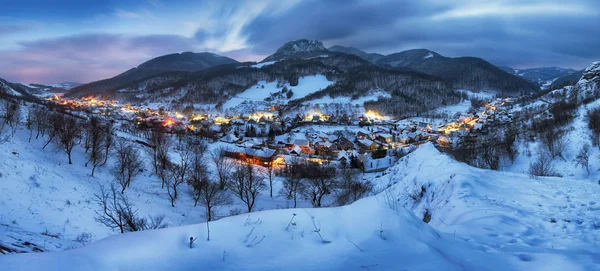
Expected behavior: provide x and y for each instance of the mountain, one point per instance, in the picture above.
(67, 85)
(567, 80)
(461, 72)
(298, 48)
(15, 89)
(180, 62)
(371, 57)
(542, 77)
(412, 80)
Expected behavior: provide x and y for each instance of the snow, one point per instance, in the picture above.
(577, 135)
(29, 86)
(351, 233)
(260, 65)
(371, 96)
(430, 55)
(40, 192)
(10, 91)
(260, 91)
(508, 213)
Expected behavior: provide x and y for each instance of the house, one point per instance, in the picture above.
(230, 138)
(262, 156)
(304, 145)
(324, 147)
(344, 144)
(296, 150)
(366, 144)
(423, 126)
(385, 137)
(362, 135)
(378, 165)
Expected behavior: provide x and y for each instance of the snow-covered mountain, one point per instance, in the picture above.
(543, 77)
(302, 47)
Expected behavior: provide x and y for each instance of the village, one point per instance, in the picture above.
(266, 137)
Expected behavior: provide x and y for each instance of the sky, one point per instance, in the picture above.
(56, 41)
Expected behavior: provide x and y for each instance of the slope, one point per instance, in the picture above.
(346, 238)
(462, 72)
(542, 222)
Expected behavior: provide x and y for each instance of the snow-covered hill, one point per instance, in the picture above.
(545, 222)
(346, 238)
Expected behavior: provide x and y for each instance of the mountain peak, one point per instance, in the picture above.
(297, 47)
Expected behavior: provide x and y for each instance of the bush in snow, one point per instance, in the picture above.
(593, 117)
(543, 165)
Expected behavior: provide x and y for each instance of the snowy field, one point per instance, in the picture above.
(366, 235)
(260, 91)
(372, 96)
(480, 220)
(41, 193)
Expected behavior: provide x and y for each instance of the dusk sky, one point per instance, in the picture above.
(81, 41)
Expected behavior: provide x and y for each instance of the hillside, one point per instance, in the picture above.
(161, 81)
(371, 57)
(542, 77)
(181, 62)
(535, 220)
(462, 72)
(263, 241)
(567, 80)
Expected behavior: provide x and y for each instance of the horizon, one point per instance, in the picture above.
(69, 41)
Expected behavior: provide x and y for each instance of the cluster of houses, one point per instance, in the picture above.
(268, 139)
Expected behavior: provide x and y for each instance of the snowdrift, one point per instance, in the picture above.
(538, 221)
(344, 238)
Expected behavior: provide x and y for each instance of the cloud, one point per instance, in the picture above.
(513, 33)
(127, 14)
(85, 58)
(9, 29)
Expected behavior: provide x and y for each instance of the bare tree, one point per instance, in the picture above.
(29, 124)
(351, 189)
(222, 165)
(2, 123)
(128, 164)
(293, 185)
(95, 139)
(117, 212)
(554, 142)
(198, 170)
(54, 124)
(111, 206)
(543, 165)
(321, 180)
(270, 173)
(160, 150)
(109, 140)
(40, 121)
(583, 157)
(67, 131)
(211, 196)
(246, 184)
(12, 115)
(175, 174)
(593, 117)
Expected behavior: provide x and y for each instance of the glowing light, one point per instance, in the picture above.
(168, 122)
(221, 120)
